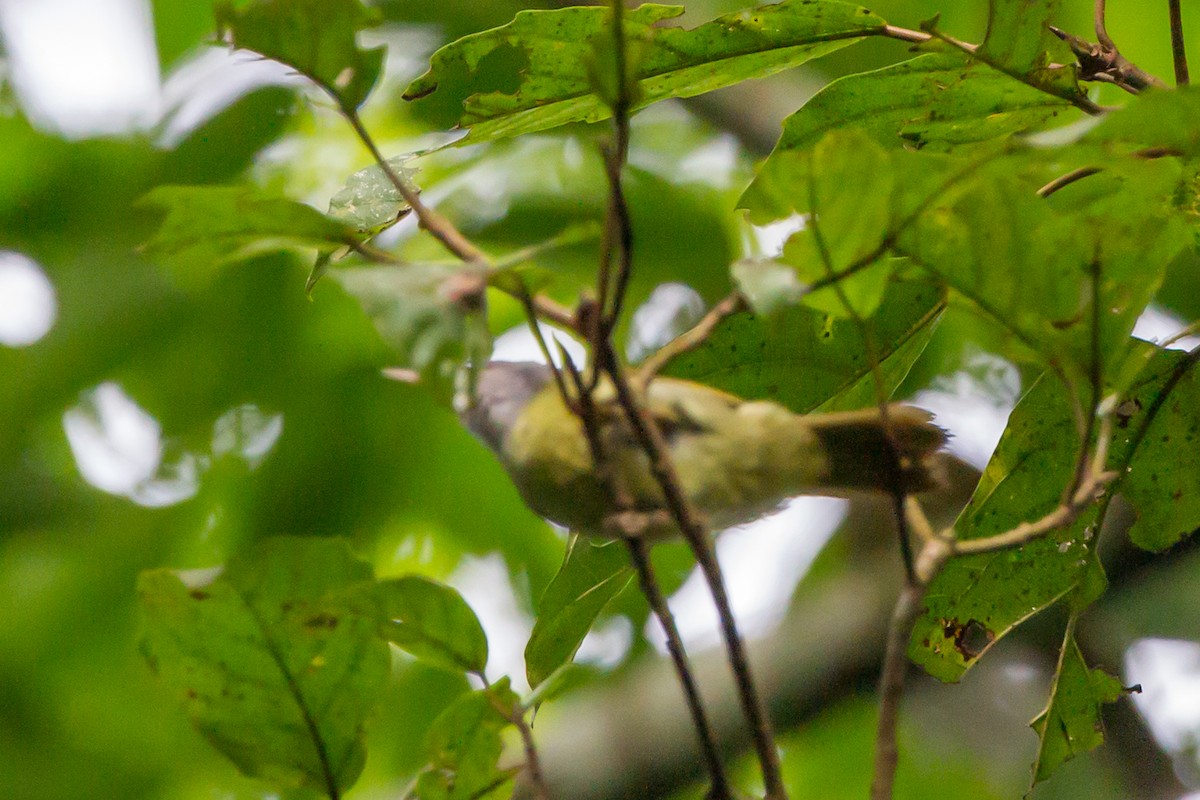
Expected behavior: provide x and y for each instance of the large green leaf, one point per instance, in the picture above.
(975, 600)
(434, 623)
(536, 72)
(317, 38)
(590, 576)
(277, 659)
(207, 226)
(935, 101)
(806, 361)
(1070, 725)
(845, 228)
(464, 744)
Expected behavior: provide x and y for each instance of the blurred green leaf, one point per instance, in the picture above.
(208, 226)
(421, 313)
(315, 37)
(805, 360)
(590, 576)
(464, 745)
(533, 73)
(845, 227)
(1018, 34)
(1167, 120)
(434, 623)
(1070, 725)
(277, 659)
(369, 201)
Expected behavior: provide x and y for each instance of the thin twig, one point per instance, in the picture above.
(1099, 17)
(1063, 181)
(639, 554)
(651, 441)
(688, 340)
(533, 763)
(1178, 50)
(1075, 98)
(621, 502)
(1103, 61)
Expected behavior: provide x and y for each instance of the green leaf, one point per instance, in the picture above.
(1167, 120)
(464, 745)
(807, 361)
(207, 226)
(590, 576)
(1018, 34)
(277, 659)
(975, 600)
(428, 313)
(533, 73)
(369, 201)
(1070, 725)
(936, 101)
(844, 227)
(434, 623)
(1162, 475)
(317, 38)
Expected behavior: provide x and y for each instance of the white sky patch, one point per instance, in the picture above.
(28, 306)
(118, 448)
(518, 344)
(606, 643)
(1158, 325)
(762, 563)
(484, 584)
(1169, 673)
(83, 67)
(210, 81)
(713, 163)
(974, 405)
(767, 241)
(671, 309)
(247, 432)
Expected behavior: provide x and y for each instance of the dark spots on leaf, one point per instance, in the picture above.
(321, 622)
(970, 638)
(1177, 495)
(773, 389)
(192, 694)
(198, 594)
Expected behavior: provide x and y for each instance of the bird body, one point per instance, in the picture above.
(735, 459)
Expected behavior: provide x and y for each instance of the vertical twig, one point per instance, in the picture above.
(1178, 50)
(621, 502)
(639, 554)
(612, 291)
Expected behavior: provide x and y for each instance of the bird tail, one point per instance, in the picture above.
(864, 453)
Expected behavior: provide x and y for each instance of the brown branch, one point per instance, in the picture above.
(1103, 61)
(1178, 50)
(1063, 181)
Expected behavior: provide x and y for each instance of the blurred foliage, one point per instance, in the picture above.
(386, 466)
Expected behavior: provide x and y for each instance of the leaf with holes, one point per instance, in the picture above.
(277, 659)
(536, 72)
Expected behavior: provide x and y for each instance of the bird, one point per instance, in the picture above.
(736, 460)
